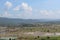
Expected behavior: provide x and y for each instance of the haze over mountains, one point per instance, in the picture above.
(15, 21)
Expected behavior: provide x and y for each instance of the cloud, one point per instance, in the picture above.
(25, 11)
(8, 4)
(42, 14)
(17, 8)
(50, 14)
(47, 12)
(23, 6)
(6, 14)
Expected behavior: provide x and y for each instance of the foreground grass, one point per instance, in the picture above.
(39, 38)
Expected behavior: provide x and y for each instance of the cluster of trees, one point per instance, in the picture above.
(25, 25)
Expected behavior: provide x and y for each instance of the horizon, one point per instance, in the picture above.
(27, 19)
(30, 9)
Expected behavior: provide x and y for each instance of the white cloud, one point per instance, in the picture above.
(44, 12)
(6, 14)
(24, 15)
(8, 4)
(17, 8)
(48, 14)
(26, 11)
(53, 14)
(23, 6)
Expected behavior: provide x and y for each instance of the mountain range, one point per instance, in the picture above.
(15, 21)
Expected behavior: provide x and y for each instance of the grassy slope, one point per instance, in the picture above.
(39, 38)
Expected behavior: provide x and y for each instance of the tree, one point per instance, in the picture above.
(9, 38)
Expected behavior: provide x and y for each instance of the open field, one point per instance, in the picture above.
(29, 33)
(39, 32)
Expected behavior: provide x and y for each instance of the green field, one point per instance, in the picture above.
(40, 38)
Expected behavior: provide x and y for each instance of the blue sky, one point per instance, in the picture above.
(30, 9)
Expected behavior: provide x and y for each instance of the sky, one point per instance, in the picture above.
(30, 9)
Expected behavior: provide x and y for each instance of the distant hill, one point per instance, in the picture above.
(15, 21)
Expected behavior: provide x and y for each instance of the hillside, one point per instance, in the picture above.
(25, 22)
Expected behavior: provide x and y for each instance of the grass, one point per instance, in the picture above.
(40, 38)
(41, 29)
(37, 38)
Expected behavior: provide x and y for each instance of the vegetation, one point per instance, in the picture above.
(21, 29)
(40, 38)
